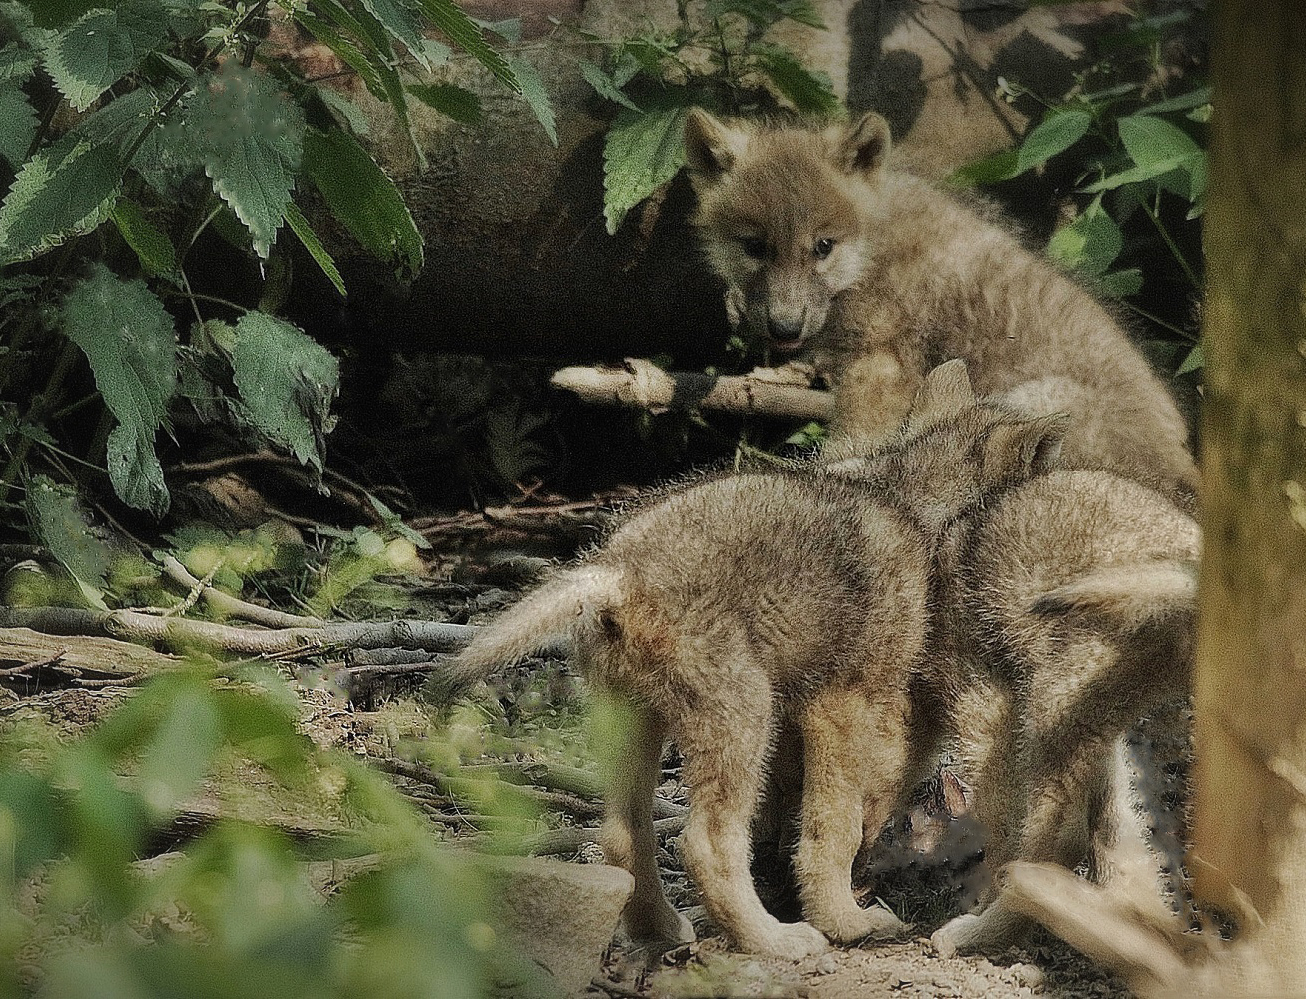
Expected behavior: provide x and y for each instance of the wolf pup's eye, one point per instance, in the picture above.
(754, 246)
(821, 248)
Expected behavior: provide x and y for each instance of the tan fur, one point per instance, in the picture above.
(739, 605)
(912, 277)
(1066, 614)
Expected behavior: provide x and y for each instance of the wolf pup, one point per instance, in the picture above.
(743, 603)
(1066, 614)
(881, 276)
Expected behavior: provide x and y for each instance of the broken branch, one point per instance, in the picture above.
(644, 385)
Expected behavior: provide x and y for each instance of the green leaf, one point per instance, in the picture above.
(59, 522)
(1192, 99)
(1195, 361)
(33, 822)
(152, 246)
(449, 99)
(1138, 174)
(1057, 132)
(467, 35)
(990, 170)
(603, 84)
(129, 339)
(95, 52)
(16, 63)
(18, 123)
(1089, 244)
(509, 29)
(642, 151)
(384, 64)
(765, 13)
(808, 92)
(344, 48)
(1120, 284)
(1153, 141)
(286, 383)
(532, 91)
(300, 227)
(250, 137)
(50, 201)
(363, 198)
(345, 110)
(57, 13)
(399, 21)
(181, 753)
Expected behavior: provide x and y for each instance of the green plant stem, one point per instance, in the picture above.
(1186, 334)
(1169, 241)
(36, 414)
(199, 296)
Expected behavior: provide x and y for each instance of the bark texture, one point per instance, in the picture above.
(1249, 855)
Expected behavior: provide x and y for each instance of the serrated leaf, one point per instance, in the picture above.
(640, 153)
(1195, 361)
(286, 383)
(808, 92)
(764, 13)
(250, 137)
(532, 91)
(58, 13)
(151, 244)
(385, 67)
(59, 522)
(1151, 141)
(50, 201)
(16, 63)
(399, 21)
(18, 123)
(1057, 132)
(344, 48)
(989, 170)
(130, 341)
(101, 47)
(1089, 244)
(1120, 284)
(509, 29)
(449, 99)
(345, 110)
(603, 84)
(300, 227)
(467, 35)
(363, 199)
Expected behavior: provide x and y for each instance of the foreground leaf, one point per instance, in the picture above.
(809, 92)
(59, 522)
(642, 151)
(286, 383)
(50, 201)
(458, 103)
(101, 47)
(468, 36)
(363, 198)
(1089, 244)
(1056, 133)
(130, 341)
(151, 244)
(17, 124)
(300, 227)
(532, 91)
(250, 138)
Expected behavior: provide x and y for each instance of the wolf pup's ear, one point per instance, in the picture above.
(1014, 452)
(711, 146)
(865, 145)
(945, 392)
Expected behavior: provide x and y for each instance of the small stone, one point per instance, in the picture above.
(827, 964)
(1029, 975)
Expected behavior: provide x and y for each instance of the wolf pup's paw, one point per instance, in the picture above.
(790, 941)
(661, 926)
(873, 923)
(736, 307)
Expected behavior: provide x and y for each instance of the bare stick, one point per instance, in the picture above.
(644, 385)
(225, 603)
(571, 839)
(182, 632)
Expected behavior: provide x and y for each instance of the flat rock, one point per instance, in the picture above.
(560, 915)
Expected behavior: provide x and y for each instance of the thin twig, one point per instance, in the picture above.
(232, 606)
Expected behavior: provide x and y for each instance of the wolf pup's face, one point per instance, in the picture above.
(786, 217)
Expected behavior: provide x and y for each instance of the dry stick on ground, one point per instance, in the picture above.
(181, 632)
(643, 384)
(571, 839)
(225, 603)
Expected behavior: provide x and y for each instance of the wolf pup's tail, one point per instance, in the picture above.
(569, 603)
(1127, 597)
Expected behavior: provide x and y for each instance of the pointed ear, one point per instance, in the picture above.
(945, 392)
(1014, 452)
(865, 144)
(711, 146)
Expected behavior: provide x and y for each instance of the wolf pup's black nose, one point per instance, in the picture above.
(785, 333)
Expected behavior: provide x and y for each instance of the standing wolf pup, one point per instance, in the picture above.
(823, 246)
(742, 603)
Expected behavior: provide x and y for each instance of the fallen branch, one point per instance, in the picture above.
(87, 660)
(571, 780)
(226, 604)
(183, 633)
(571, 839)
(642, 384)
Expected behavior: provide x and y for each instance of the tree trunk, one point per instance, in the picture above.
(1249, 853)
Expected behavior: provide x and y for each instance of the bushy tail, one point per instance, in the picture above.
(1127, 597)
(569, 602)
